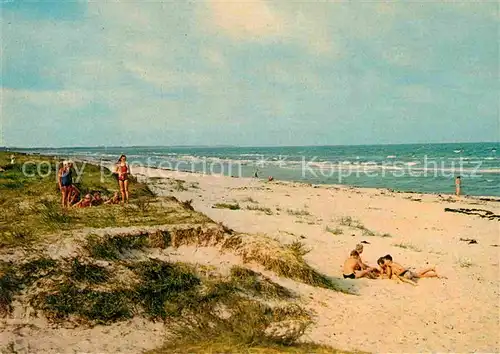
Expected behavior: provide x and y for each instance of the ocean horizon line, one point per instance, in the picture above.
(237, 146)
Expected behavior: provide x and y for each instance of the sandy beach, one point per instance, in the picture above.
(457, 314)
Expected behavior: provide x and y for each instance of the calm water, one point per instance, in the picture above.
(421, 168)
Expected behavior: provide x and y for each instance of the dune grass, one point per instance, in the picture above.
(250, 200)
(356, 224)
(229, 206)
(254, 283)
(10, 285)
(334, 231)
(298, 212)
(88, 272)
(223, 345)
(172, 292)
(407, 246)
(265, 210)
(111, 247)
(284, 261)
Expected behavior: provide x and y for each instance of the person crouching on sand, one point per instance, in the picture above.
(353, 267)
(123, 171)
(393, 269)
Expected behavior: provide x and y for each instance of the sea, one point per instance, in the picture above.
(424, 168)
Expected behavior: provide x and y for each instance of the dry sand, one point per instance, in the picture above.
(458, 314)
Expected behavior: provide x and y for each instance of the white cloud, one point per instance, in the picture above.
(66, 99)
(245, 19)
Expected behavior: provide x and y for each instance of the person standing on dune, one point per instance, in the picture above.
(123, 171)
(65, 181)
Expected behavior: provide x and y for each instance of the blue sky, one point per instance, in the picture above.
(248, 73)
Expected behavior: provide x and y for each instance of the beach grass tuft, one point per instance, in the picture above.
(298, 248)
(265, 210)
(188, 204)
(13, 278)
(283, 261)
(256, 284)
(356, 224)
(335, 231)
(346, 221)
(111, 247)
(91, 306)
(87, 272)
(10, 285)
(161, 283)
(298, 212)
(229, 206)
(249, 324)
(465, 262)
(407, 246)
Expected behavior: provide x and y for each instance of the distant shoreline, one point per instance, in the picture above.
(358, 177)
(15, 148)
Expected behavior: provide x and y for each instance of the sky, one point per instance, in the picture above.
(252, 73)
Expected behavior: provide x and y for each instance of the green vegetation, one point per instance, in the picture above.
(265, 210)
(10, 285)
(223, 345)
(227, 206)
(335, 231)
(256, 284)
(347, 221)
(31, 208)
(92, 306)
(178, 185)
(350, 222)
(298, 249)
(302, 212)
(111, 247)
(90, 273)
(284, 261)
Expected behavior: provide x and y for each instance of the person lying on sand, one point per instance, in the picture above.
(86, 202)
(115, 199)
(353, 268)
(403, 274)
(384, 273)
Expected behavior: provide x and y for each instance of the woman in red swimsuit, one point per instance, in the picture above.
(123, 171)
